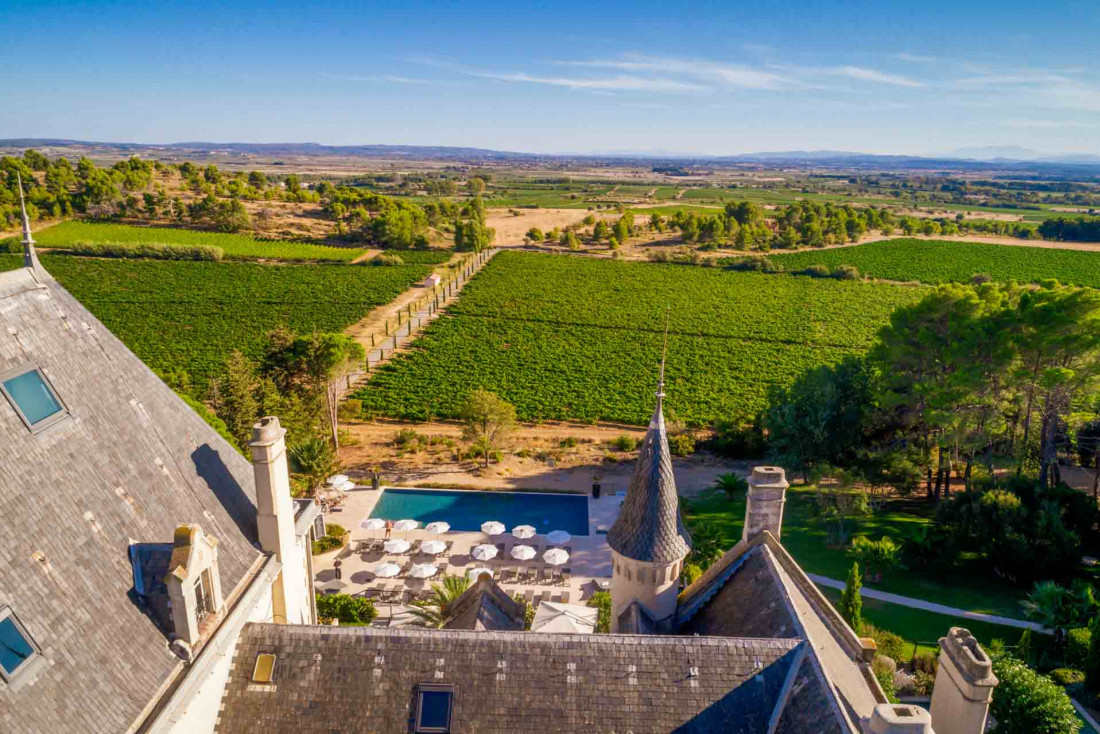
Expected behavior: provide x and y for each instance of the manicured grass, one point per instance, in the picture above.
(805, 536)
(942, 261)
(190, 316)
(235, 246)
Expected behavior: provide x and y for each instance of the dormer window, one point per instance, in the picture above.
(33, 398)
(17, 649)
(434, 703)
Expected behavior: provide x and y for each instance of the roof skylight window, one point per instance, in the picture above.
(17, 649)
(264, 672)
(433, 709)
(33, 398)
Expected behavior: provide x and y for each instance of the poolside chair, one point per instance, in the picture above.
(565, 576)
(555, 576)
(545, 596)
(565, 597)
(529, 596)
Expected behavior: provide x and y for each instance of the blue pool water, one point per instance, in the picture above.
(467, 510)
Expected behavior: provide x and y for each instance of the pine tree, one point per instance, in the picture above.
(851, 604)
(1023, 648)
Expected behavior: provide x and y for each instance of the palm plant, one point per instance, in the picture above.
(434, 612)
(732, 485)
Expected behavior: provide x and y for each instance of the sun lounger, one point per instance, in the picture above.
(529, 596)
(544, 597)
(565, 597)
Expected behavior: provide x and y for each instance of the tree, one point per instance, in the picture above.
(234, 397)
(1026, 702)
(1092, 661)
(1057, 607)
(878, 556)
(1088, 447)
(600, 232)
(472, 234)
(315, 458)
(352, 611)
(293, 184)
(601, 600)
(487, 420)
(534, 235)
(476, 186)
(323, 358)
(851, 603)
(621, 230)
(434, 612)
(257, 180)
(732, 484)
(231, 216)
(569, 239)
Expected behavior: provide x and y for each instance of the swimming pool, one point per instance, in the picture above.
(466, 510)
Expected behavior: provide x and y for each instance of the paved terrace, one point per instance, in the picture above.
(589, 559)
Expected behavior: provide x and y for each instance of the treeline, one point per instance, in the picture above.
(1071, 230)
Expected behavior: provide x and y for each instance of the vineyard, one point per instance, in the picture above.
(190, 315)
(938, 261)
(566, 338)
(235, 246)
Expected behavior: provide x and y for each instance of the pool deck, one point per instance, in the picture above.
(589, 560)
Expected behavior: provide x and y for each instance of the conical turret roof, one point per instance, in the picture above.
(650, 527)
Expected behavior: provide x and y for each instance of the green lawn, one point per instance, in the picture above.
(804, 536)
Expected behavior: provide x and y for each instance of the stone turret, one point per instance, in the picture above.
(764, 508)
(275, 510)
(964, 685)
(649, 540)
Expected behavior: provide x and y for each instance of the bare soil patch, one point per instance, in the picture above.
(511, 228)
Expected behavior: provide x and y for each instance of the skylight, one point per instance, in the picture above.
(264, 672)
(16, 647)
(33, 398)
(433, 709)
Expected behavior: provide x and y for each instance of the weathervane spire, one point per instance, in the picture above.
(664, 353)
(30, 257)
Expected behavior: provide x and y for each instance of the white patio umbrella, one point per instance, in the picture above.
(523, 532)
(473, 573)
(373, 523)
(433, 547)
(523, 553)
(336, 479)
(437, 527)
(396, 545)
(492, 527)
(555, 557)
(346, 486)
(406, 525)
(559, 537)
(387, 570)
(423, 571)
(484, 552)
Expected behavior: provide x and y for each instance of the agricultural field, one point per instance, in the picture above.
(556, 196)
(940, 261)
(191, 315)
(235, 246)
(578, 339)
(424, 257)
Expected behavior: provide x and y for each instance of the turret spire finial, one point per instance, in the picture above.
(664, 353)
(30, 257)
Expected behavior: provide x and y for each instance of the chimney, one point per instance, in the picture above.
(893, 718)
(964, 685)
(275, 522)
(764, 509)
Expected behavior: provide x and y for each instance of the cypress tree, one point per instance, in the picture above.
(851, 604)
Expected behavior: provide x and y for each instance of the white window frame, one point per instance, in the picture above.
(48, 420)
(6, 612)
(423, 688)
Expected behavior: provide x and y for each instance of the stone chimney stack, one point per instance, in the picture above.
(275, 521)
(764, 509)
(893, 718)
(964, 685)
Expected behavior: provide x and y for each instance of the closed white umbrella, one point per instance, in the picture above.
(406, 525)
(523, 553)
(373, 523)
(559, 537)
(523, 532)
(437, 527)
(492, 527)
(387, 570)
(423, 571)
(484, 552)
(433, 547)
(473, 573)
(555, 557)
(336, 479)
(346, 486)
(396, 545)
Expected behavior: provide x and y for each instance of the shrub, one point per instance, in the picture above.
(980, 278)
(734, 440)
(886, 680)
(601, 600)
(690, 573)
(1067, 676)
(925, 662)
(624, 443)
(1028, 703)
(407, 438)
(876, 556)
(149, 250)
(681, 444)
(1077, 647)
(816, 271)
(331, 540)
(353, 611)
(889, 644)
(387, 259)
(846, 272)
(923, 683)
(755, 264)
(568, 442)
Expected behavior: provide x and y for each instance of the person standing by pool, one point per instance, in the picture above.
(336, 566)
(389, 528)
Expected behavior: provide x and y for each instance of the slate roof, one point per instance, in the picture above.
(485, 606)
(129, 464)
(649, 526)
(361, 679)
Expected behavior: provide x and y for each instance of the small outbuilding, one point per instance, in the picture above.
(432, 280)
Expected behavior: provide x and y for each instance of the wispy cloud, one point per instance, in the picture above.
(727, 74)
(618, 83)
(1029, 124)
(873, 75)
(377, 78)
(913, 58)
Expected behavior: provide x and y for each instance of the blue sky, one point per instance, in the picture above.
(719, 78)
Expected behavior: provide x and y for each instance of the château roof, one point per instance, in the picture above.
(128, 463)
(485, 606)
(650, 527)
